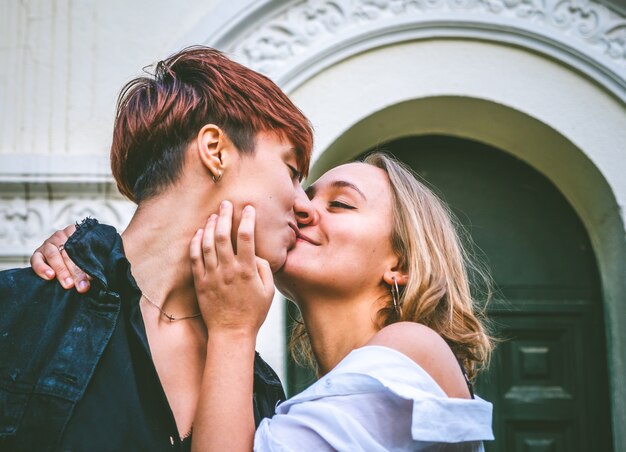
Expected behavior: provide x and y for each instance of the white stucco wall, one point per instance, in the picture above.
(64, 62)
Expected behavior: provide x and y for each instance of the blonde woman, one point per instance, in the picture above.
(380, 277)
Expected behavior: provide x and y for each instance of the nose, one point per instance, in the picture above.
(306, 214)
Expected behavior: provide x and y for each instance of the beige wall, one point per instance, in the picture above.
(64, 61)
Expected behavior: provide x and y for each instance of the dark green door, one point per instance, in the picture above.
(547, 380)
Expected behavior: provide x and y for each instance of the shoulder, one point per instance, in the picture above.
(31, 310)
(26, 297)
(429, 350)
(32, 306)
(415, 340)
(20, 282)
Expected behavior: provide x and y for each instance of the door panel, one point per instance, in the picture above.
(548, 379)
(537, 379)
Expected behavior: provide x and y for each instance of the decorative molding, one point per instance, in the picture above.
(301, 26)
(31, 212)
(40, 194)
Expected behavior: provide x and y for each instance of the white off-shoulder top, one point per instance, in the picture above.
(376, 399)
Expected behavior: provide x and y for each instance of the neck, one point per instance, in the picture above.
(336, 326)
(156, 243)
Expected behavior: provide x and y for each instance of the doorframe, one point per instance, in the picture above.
(542, 147)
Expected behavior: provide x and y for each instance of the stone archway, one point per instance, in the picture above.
(540, 146)
(565, 145)
(549, 75)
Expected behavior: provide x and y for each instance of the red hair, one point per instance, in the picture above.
(158, 116)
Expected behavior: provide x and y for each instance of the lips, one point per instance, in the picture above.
(295, 230)
(301, 236)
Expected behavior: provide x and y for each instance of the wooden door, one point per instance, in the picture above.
(548, 379)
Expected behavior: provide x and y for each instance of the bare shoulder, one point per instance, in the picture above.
(417, 341)
(429, 350)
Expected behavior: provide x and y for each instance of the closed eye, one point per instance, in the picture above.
(295, 174)
(341, 205)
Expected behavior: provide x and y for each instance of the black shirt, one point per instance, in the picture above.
(124, 406)
(103, 392)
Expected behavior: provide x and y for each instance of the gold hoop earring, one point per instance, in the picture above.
(395, 296)
(219, 176)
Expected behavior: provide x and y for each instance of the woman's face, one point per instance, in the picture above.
(345, 246)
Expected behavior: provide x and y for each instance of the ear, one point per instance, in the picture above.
(401, 277)
(211, 143)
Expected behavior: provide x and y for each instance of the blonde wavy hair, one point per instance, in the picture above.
(438, 292)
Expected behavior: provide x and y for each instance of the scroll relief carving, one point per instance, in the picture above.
(25, 223)
(20, 223)
(310, 23)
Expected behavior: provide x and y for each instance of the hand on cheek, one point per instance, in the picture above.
(234, 290)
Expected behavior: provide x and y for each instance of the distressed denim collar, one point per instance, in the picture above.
(98, 250)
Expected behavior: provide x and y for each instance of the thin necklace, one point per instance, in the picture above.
(170, 317)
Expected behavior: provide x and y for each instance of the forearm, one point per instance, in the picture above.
(224, 417)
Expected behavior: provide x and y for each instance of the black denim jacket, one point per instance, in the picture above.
(52, 339)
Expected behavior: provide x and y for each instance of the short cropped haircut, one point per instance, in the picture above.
(159, 115)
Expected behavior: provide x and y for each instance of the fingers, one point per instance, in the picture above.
(52, 255)
(50, 260)
(80, 278)
(45, 259)
(234, 291)
(245, 237)
(223, 229)
(69, 230)
(202, 249)
(212, 247)
(195, 253)
(209, 253)
(266, 275)
(38, 263)
(82, 281)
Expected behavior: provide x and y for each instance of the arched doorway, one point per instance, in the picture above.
(548, 378)
(543, 83)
